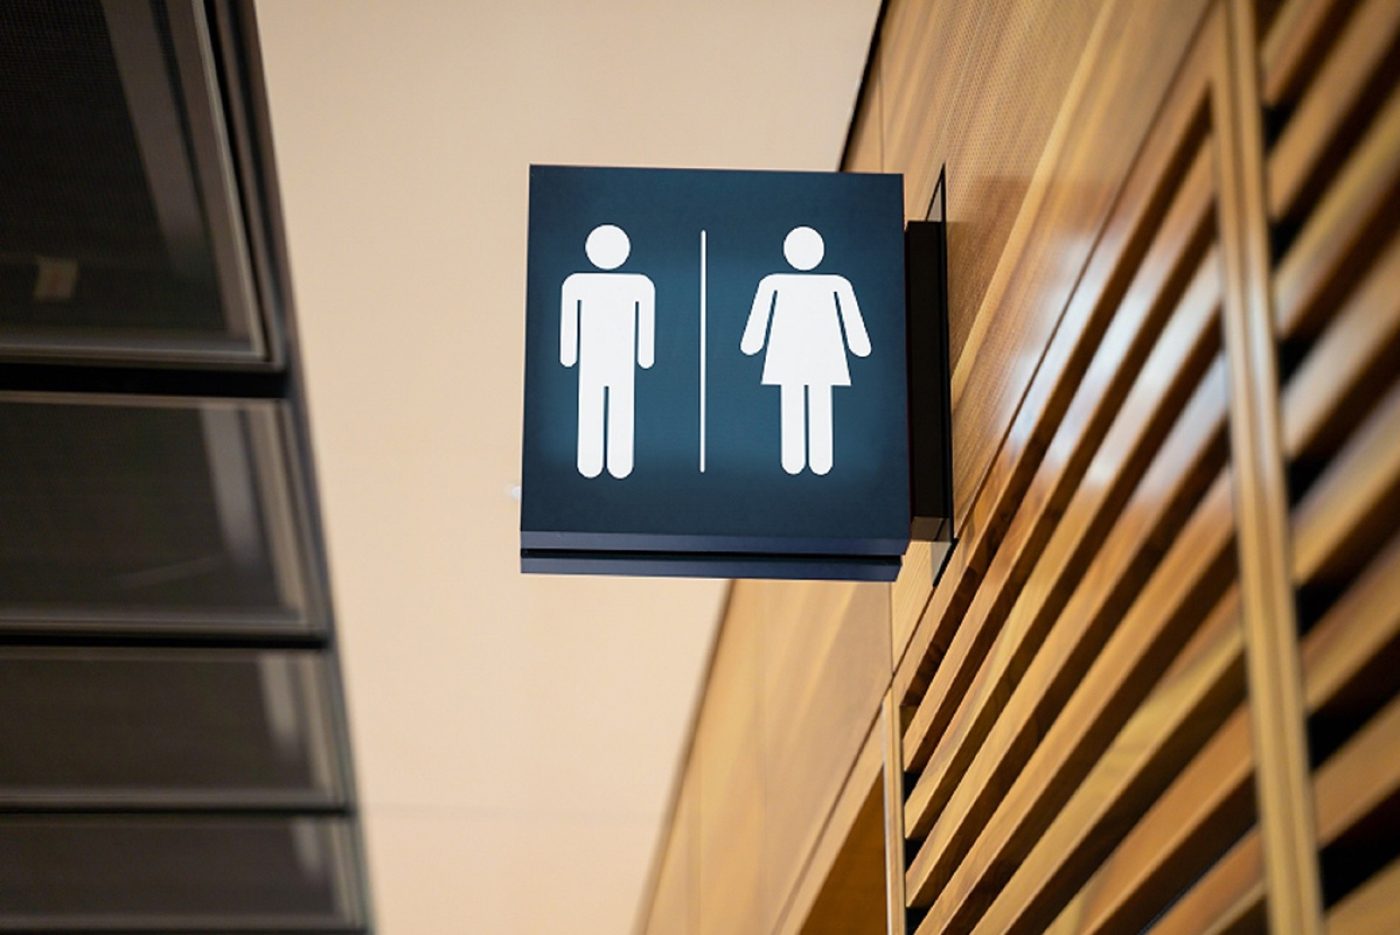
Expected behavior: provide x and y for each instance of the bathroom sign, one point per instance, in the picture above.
(715, 374)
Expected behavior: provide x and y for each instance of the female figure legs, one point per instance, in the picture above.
(794, 427)
(819, 427)
(806, 420)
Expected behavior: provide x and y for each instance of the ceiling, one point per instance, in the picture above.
(515, 737)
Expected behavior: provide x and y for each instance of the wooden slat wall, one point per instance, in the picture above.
(1175, 302)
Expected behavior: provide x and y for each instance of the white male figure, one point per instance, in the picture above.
(608, 329)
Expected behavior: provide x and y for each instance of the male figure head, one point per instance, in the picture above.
(607, 246)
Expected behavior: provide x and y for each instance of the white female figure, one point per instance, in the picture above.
(814, 318)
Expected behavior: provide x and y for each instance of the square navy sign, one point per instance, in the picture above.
(715, 374)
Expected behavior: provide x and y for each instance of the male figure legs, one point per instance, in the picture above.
(620, 426)
(616, 400)
(591, 401)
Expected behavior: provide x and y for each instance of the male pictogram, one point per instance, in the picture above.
(806, 347)
(608, 328)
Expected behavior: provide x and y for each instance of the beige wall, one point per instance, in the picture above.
(515, 738)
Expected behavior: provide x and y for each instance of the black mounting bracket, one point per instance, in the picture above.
(930, 393)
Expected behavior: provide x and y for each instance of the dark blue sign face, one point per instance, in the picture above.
(715, 374)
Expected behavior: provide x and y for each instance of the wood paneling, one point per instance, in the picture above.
(843, 887)
(1175, 300)
(729, 793)
(792, 698)
(1334, 168)
(675, 900)
(975, 87)
(909, 596)
(851, 900)
(1117, 497)
(825, 667)
(892, 726)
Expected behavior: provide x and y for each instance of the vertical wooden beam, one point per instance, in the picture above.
(895, 906)
(1277, 711)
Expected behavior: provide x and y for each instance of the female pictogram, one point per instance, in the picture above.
(806, 347)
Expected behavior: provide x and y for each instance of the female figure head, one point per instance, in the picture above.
(803, 248)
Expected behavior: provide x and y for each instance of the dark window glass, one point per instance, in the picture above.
(148, 515)
(166, 727)
(161, 874)
(120, 227)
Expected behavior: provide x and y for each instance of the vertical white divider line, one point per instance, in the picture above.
(702, 351)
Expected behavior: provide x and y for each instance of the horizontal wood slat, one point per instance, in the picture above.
(1350, 497)
(1206, 806)
(1359, 194)
(1351, 785)
(1352, 357)
(1203, 809)
(1146, 193)
(1203, 685)
(1151, 409)
(1176, 591)
(1372, 909)
(1120, 353)
(1120, 677)
(1125, 344)
(1330, 98)
(1355, 629)
(1129, 552)
(1103, 128)
(1290, 46)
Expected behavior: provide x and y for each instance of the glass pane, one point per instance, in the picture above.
(166, 727)
(153, 874)
(119, 231)
(157, 514)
